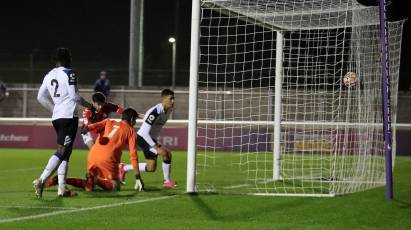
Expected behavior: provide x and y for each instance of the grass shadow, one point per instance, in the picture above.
(42, 207)
(203, 207)
(110, 194)
(402, 204)
(243, 210)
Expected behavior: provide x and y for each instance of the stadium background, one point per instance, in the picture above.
(97, 32)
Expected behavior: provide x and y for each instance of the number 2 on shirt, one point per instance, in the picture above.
(55, 82)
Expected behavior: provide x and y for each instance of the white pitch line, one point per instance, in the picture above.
(82, 209)
(236, 186)
(35, 207)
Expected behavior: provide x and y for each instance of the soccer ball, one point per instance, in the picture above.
(350, 79)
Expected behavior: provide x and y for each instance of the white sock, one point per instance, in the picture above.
(142, 167)
(128, 167)
(61, 174)
(166, 171)
(51, 166)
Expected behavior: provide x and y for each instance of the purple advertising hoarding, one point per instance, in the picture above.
(33, 136)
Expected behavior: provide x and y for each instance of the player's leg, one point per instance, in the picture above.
(76, 182)
(52, 164)
(149, 166)
(151, 162)
(54, 161)
(166, 156)
(122, 173)
(70, 131)
(88, 140)
(108, 176)
(91, 175)
(52, 181)
(108, 184)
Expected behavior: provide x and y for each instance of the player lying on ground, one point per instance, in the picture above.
(102, 111)
(61, 85)
(104, 157)
(154, 120)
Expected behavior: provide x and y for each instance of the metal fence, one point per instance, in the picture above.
(22, 101)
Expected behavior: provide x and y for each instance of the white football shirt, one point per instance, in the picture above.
(61, 85)
(154, 120)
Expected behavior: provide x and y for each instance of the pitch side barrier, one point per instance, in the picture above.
(36, 133)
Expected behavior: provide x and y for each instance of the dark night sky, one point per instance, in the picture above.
(97, 32)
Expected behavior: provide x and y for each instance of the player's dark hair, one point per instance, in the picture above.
(98, 97)
(167, 92)
(63, 56)
(129, 115)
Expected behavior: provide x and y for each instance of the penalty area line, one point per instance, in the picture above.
(55, 213)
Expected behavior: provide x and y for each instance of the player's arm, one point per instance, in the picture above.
(134, 160)
(73, 91)
(44, 99)
(145, 128)
(86, 116)
(95, 126)
(140, 115)
(133, 153)
(113, 108)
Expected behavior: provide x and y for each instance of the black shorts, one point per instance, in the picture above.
(147, 149)
(66, 130)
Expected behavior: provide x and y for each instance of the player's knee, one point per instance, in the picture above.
(60, 148)
(67, 152)
(108, 185)
(151, 167)
(167, 156)
(63, 153)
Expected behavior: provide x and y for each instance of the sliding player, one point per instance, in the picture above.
(102, 111)
(105, 155)
(154, 120)
(61, 85)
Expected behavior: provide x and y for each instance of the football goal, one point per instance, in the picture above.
(287, 97)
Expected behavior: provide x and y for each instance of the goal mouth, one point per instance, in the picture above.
(277, 111)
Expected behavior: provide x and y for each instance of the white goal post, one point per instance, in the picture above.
(281, 66)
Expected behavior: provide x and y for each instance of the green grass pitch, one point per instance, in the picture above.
(159, 208)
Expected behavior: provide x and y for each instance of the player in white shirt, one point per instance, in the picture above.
(59, 94)
(154, 120)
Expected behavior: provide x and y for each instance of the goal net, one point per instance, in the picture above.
(275, 115)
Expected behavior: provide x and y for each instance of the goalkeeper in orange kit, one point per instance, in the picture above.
(105, 155)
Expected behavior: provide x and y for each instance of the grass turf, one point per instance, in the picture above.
(159, 208)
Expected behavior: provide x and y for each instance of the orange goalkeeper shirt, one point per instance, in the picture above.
(108, 146)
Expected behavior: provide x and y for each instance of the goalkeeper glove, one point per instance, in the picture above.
(139, 186)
